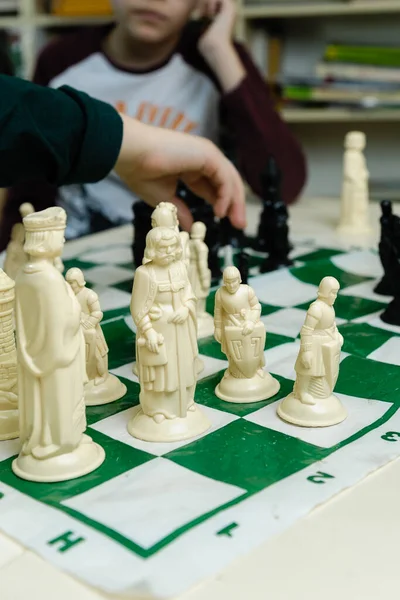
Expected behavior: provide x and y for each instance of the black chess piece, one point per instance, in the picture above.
(388, 249)
(392, 312)
(202, 211)
(243, 265)
(142, 225)
(273, 231)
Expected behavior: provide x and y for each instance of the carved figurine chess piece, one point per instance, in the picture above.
(15, 254)
(242, 335)
(354, 219)
(9, 426)
(51, 362)
(164, 309)
(103, 387)
(312, 402)
(200, 278)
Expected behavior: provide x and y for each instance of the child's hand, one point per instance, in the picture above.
(222, 14)
(152, 160)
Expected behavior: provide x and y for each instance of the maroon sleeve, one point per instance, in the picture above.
(260, 131)
(54, 59)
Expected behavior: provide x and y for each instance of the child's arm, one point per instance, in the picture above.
(64, 136)
(248, 106)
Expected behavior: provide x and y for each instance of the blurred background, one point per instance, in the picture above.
(333, 65)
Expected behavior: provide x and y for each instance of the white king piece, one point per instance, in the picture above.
(51, 361)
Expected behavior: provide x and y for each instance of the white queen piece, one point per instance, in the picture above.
(51, 361)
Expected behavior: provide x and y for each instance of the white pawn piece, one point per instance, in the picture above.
(164, 309)
(242, 337)
(15, 254)
(51, 362)
(312, 402)
(354, 219)
(9, 427)
(103, 387)
(200, 278)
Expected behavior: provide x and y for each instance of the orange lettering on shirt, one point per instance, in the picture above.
(121, 107)
(141, 111)
(190, 126)
(153, 113)
(164, 117)
(177, 121)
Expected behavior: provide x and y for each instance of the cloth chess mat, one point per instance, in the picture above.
(156, 518)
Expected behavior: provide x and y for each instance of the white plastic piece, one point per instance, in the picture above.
(312, 402)
(164, 309)
(9, 426)
(102, 387)
(242, 335)
(15, 254)
(51, 362)
(200, 278)
(354, 218)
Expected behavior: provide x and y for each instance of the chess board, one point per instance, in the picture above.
(155, 519)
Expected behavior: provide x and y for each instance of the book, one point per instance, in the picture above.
(355, 72)
(342, 94)
(368, 55)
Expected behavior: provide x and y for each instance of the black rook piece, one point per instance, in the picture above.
(273, 230)
(388, 249)
(142, 225)
(392, 313)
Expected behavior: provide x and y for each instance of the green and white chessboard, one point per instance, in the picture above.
(156, 519)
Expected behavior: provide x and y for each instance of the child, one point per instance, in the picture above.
(160, 67)
(67, 137)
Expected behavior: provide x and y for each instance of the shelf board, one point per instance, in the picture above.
(312, 9)
(339, 115)
(58, 21)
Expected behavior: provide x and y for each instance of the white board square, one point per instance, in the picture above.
(9, 448)
(149, 502)
(389, 352)
(116, 255)
(126, 372)
(287, 321)
(112, 298)
(107, 274)
(359, 262)
(365, 290)
(211, 366)
(361, 413)
(281, 288)
(116, 428)
(377, 322)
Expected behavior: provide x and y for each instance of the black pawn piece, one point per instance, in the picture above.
(142, 225)
(273, 230)
(243, 265)
(388, 252)
(392, 312)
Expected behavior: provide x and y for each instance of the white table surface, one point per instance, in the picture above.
(346, 548)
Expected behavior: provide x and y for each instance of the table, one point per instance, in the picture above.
(345, 547)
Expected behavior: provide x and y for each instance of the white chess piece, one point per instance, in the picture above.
(103, 387)
(164, 309)
(9, 427)
(354, 219)
(312, 402)
(200, 278)
(242, 336)
(51, 362)
(15, 254)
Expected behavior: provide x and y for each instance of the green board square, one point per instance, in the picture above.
(119, 459)
(125, 286)
(247, 455)
(131, 398)
(210, 347)
(205, 394)
(121, 343)
(360, 339)
(369, 379)
(321, 254)
(78, 264)
(314, 271)
(114, 314)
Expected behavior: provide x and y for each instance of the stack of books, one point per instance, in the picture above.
(80, 7)
(361, 76)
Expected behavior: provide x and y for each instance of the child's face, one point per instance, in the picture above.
(153, 20)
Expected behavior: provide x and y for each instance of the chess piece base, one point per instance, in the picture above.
(391, 314)
(326, 412)
(9, 424)
(87, 457)
(385, 287)
(205, 325)
(110, 390)
(145, 428)
(273, 264)
(245, 391)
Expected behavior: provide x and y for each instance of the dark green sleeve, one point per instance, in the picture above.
(61, 136)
